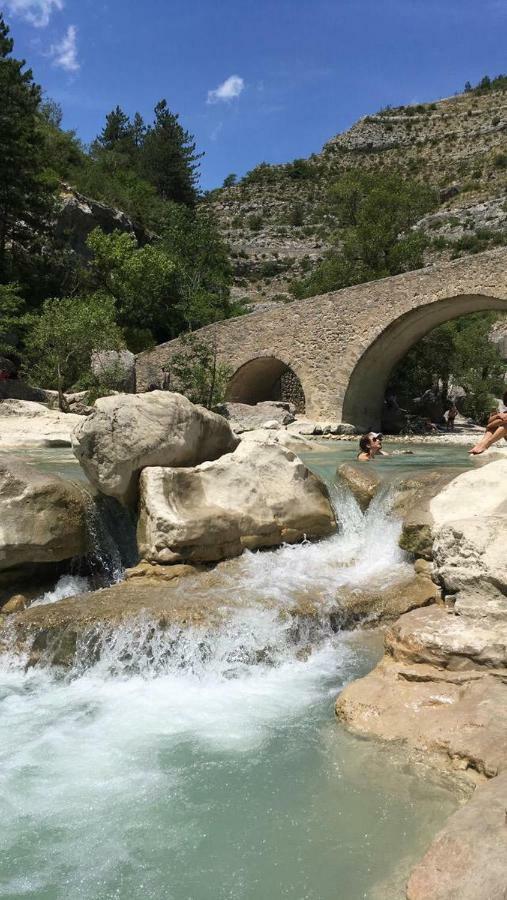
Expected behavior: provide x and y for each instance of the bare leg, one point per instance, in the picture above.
(489, 439)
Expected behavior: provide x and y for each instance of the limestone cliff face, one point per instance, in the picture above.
(274, 220)
(78, 215)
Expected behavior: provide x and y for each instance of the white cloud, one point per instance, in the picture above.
(64, 53)
(36, 12)
(228, 90)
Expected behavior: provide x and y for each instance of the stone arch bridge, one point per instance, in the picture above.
(342, 346)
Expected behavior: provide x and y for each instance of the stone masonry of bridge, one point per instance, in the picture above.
(343, 345)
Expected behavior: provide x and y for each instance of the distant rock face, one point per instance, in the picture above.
(246, 417)
(42, 517)
(258, 496)
(79, 215)
(127, 432)
(121, 362)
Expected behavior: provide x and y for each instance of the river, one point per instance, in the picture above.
(208, 765)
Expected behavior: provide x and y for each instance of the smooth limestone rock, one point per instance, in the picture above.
(24, 423)
(42, 517)
(440, 689)
(128, 432)
(258, 496)
(468, 858)
(363, 483)
(282, 437)
(247, 417)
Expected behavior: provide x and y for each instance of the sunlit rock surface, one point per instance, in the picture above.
(259, 496)
(127, 432)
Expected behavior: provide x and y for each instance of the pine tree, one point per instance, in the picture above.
(169, 159)
(23, 196)
(117, 132)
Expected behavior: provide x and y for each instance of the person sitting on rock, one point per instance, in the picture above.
(370, 446)
(496, 429)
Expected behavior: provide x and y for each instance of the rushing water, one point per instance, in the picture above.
(208, 764)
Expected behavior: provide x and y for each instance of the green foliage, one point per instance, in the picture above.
(197, 372)
(141, 281)
(374, 213)
(11, 318)
(177, 283)
(487, 84)
(168, 159)
(62, 339)
(230, 180)
(24, 198)
(458, 352)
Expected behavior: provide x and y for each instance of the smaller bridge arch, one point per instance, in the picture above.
(266, 378)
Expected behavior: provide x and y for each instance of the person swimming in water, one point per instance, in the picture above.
(370, 446)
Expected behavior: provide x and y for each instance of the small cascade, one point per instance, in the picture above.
(112, 537)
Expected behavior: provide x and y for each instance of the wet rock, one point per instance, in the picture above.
(127, 432)
(385, 604)
(440, 689)
(42, 519)
(363, 483)
(258, 496)
(467, 859)
(165, 573)
(16, 604)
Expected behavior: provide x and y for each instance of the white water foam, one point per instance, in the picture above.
(111, 775)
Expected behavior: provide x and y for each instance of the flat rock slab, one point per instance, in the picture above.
(468, 858)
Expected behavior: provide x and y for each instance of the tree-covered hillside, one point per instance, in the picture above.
(120, 291)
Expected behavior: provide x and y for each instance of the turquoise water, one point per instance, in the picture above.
(203, 765)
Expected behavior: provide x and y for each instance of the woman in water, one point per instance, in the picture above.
(370, 446)
(496, 429)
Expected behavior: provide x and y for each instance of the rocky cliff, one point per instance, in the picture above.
(277, 225)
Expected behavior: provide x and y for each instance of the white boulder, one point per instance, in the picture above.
(470, 531)
(127, 432)
(258, 496)
(24, 423)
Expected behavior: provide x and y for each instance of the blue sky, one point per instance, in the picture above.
(254, 80)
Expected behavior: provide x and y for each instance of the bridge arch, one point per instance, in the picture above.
(266, 378)
(364, 395)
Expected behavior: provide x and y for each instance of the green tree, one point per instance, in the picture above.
(23, 194)
(197, 372)
(374, 214)
(141, 280)
(12, 324)
(203, 269)
(62, 339)
(230, 180)
(169, 159)
(458, 352)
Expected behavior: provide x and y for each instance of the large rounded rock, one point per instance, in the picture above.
(128, 432)
(259, 496)
(42, 518)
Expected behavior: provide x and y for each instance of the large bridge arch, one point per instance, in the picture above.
(343, 345)
(364, 396)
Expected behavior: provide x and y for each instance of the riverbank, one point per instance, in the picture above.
(441, 687)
